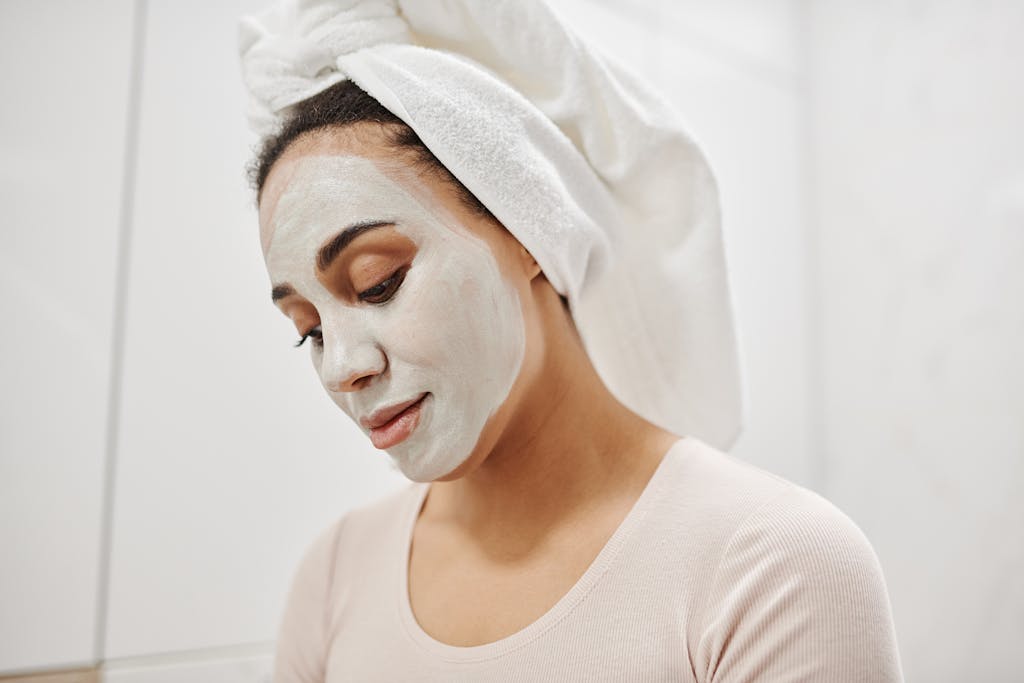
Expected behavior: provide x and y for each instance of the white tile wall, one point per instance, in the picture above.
(919, 168)
(756, 35)
(64, 74)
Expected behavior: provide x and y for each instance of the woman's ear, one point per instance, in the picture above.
(530, 265)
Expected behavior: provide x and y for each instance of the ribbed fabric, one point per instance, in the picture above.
(721, 572)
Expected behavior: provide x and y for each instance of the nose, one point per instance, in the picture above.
(349, 365)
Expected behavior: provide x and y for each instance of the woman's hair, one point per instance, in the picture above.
(344, 104)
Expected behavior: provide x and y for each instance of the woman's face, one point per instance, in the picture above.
(405, 306)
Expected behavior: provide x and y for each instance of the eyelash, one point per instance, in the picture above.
(389, 287)
(315, 333)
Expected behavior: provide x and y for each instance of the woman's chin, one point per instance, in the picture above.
(428, 462)
(423, 469)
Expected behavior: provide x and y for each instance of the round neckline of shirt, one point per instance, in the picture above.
(561, 608)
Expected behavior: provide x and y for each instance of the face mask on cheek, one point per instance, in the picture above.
(459, 335)
(454, 328)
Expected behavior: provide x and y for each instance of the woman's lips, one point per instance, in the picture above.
(397, 429)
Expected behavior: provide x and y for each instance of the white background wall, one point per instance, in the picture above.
(64, 75)
(918, 172)
(166, 456)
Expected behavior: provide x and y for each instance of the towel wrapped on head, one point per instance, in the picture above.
(591, 170)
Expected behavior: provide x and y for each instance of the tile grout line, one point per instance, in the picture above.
(130, 159)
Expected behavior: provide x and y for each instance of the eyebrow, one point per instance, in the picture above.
(330, 251)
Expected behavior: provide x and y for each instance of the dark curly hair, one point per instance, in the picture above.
(344, 104)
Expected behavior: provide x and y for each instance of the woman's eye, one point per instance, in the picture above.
(385, 290)
(316, 333)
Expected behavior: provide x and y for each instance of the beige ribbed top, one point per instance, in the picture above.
(721, 571)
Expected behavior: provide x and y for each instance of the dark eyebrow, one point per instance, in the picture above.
(280, 292)
(330, 251)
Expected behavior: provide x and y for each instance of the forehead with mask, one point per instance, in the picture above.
(414, 328)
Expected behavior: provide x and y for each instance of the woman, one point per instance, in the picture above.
(552, 530)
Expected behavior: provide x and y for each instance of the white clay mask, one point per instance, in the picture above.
(452, 330)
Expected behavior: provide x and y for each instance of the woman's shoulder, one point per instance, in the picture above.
(793, 583)
(718, 490)
(319, 561)
(348, 544)
(361, 528)
(723, 477)
(764, 521)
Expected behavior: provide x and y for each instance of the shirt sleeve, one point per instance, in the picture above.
(798, 595)
(303, 634)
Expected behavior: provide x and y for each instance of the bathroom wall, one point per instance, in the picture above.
(64, 73)
(917, 178)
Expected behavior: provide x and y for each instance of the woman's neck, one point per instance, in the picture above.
(569, 449)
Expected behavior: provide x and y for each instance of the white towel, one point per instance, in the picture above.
(591, 170)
